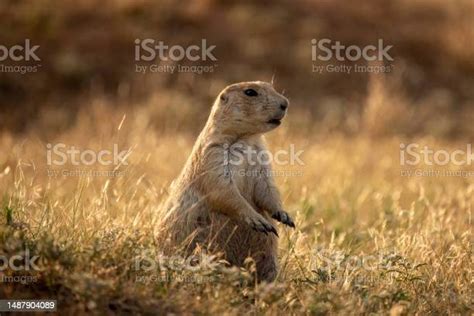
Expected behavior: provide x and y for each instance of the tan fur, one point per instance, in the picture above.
(215, 204)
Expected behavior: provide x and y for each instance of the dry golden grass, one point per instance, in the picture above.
(367, 240)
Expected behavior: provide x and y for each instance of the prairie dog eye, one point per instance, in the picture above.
(251, 92)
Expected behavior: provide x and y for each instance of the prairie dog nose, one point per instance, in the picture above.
(284, 105)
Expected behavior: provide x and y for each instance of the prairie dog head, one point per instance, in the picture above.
(249, 108)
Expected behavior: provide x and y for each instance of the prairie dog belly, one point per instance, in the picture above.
(245, 166)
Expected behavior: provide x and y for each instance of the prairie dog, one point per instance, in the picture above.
(225, 200)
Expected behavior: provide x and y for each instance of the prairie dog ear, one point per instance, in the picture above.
(224, 97)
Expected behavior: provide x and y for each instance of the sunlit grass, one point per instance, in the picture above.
(367, 239)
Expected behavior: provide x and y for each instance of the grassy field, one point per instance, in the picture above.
(368, 240)
(373, 236)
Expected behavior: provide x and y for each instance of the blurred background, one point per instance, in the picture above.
(87, 53)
